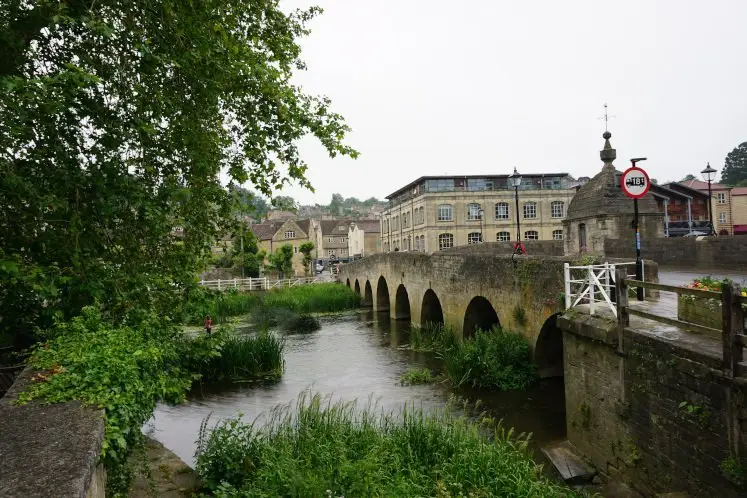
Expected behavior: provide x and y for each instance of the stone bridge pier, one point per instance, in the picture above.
(468, 291)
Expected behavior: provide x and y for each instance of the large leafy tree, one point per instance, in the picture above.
(735, 166)
(282, 260)
(117, 117)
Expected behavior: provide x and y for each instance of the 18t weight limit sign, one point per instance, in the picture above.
(635, 182)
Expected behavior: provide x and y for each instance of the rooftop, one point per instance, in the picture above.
(477, 183)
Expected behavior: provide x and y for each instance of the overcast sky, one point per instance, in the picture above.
(433, 87)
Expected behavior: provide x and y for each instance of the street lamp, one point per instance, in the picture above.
(514, 180)
(708, 175)
(481, 212)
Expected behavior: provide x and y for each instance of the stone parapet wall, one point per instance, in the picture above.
(533, 247)
(660, 416)
(707, 253)
(49, 449)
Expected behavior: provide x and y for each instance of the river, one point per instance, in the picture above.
(356, 356)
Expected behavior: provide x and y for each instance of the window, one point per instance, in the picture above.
(445, 241)
(441, 185)
(557, 209)
(722, 217)
(501, 211)
(721, 198)
(479, 184)
(531, 235)
(290, 234)
(473, 211)
(503, 236)
(330, 240)
(331, 252)
(530, 210)
(342, 228)
(557, 235)
(295, 249)
(342, 239)
(474, 238)
(445, 213)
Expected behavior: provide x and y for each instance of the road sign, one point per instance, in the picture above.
(635, 182)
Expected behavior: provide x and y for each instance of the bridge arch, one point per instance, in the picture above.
(347, 282)
(401, 304)
(548, 350)
(431, 311)
(357, 287)
(480, 314)
(367, 301)
(382, 295)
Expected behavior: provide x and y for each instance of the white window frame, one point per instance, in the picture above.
(502, 215)
(442, 210)
(721, 197)
(442, 241)
(474, 238)
(557, 209)
(722, 217)
(531, 235)
(505, 238)
(290, 234)
(473, 211)
(557, 235)
(530, 208)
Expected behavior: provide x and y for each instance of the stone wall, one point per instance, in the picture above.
(49, 450)
(706, 253)
(533, 247)
(661, 416)
(599, 229)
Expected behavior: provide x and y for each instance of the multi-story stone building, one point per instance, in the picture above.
(332, 239)
(439, 212)
(273, 234)
(364, 238)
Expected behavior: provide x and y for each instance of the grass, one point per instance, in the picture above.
(219, 305)
(318, 448)
(494, 359)
(242, 357)
(432, 337)
(416, 376)
(314, 298)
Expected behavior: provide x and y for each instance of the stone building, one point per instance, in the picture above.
(273, 234)
(440, 212)
(739, 210)
(725, 214)
(332, 239)
(364, 238)
(600, 209)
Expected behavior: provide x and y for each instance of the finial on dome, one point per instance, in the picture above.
(606, 135)
(607, 154)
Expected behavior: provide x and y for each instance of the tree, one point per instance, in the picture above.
(306, 249)
(285, 203)
(117, 118)
(735, 165)
(688, 178)
(247, 203)
(282, 260)
(247, 255)
(335, 205)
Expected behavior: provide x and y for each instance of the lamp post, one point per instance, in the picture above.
(514, 180)
(481, 213)
(708, 175)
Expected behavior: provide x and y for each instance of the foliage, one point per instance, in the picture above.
(317, 448)
(246, 252)
(303, 323)
(242, 357)
(285, 203)
(416, 376)
(219, 305)
(124, 370)
(282, 260)
(712, 284)
(306, 249)
(313, 298)
(735, 471)
(735, 165)
(520, 315)
(494, 359)
(117, 119)
(248, 204)
(689, 177)
(432, 337)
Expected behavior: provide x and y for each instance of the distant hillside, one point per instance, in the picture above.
(348, 207)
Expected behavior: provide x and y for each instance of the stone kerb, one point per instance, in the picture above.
(49, 449)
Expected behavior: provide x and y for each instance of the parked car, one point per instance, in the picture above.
(319, 268)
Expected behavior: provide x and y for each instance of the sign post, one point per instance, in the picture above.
(635, 184)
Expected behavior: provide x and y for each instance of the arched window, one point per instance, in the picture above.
(530, 210)
(503, 236)
(557, 234)
(445, 241)
(501, 211)
(557, 209)
(474, 238)
(531, 235)
(445, 212)
(422, 215)
(473, 211)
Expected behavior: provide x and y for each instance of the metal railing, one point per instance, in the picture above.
(593, 285)
(733, 328)
(258, 284)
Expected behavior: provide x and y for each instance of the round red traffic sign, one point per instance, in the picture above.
(635, 182)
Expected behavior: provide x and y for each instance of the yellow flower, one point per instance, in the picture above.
(744, 293)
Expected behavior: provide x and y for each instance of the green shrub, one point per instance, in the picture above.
(416, 376)
(314, 298)
(219, 305)
(242, 357)
(302, 323)
(317, 448)
(124, 370)
(493, 359)
(432, 337)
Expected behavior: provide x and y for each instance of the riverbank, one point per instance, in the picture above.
(163, 474)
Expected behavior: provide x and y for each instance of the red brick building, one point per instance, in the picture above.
(685, 209)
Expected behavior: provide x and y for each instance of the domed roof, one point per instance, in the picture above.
(602, 195)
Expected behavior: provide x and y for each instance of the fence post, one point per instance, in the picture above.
(623, 319)
(592, 289)
(733, 320)
(218, 284)
(567, 288)
(235, 283)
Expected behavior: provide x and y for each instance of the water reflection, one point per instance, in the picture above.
(351, 357)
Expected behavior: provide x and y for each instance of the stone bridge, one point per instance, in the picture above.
(468, 291)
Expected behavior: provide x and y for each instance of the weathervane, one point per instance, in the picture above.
(606, 117)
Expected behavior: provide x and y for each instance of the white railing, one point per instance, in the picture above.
(261, 283)
(592, 285)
